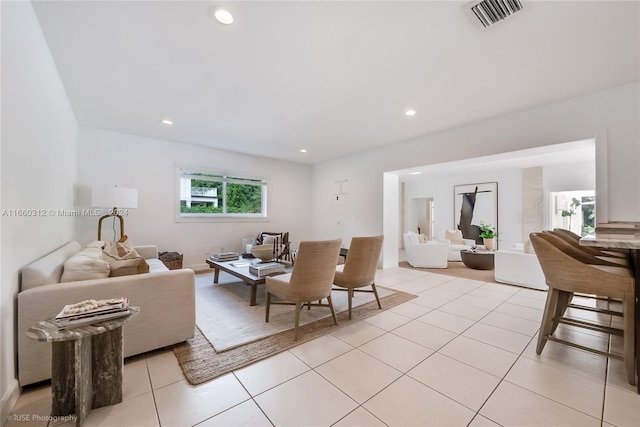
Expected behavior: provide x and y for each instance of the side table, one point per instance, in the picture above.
(87, 364)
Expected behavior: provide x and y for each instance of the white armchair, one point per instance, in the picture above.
(456, 243)
(519, 267)
(430, 254)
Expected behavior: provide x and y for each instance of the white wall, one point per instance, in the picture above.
(509, 200)
(109, 158)
(38, 166)
(614, 111)
(557, 177)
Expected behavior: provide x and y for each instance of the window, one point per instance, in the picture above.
(209, 194)
(574, 210)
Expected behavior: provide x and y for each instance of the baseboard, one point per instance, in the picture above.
(9, 401)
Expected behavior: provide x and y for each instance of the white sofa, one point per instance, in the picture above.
(430, 254)
(166, 299)
(455, 246)
(517, 267)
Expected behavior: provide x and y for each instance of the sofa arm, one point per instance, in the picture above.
(147, 251)
(469, 242)
(167, 314)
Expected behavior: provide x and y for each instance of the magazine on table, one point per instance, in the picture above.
(91, 311)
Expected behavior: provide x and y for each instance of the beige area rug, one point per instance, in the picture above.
(226, 319)
(200, 361)
(457, 269)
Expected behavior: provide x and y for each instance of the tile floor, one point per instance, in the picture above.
(461, 354)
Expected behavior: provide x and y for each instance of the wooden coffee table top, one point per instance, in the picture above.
(240, 269)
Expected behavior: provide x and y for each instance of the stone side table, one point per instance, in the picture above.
(87, 364)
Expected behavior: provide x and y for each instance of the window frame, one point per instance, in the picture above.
(236, 177)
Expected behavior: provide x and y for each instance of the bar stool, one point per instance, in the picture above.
(565, 275)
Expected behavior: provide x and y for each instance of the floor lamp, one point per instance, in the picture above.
(113, 197)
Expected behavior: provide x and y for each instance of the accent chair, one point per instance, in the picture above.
(311, 279)
(359, 269)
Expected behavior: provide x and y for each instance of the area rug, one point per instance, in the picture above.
(457, 269)
(226, 319)
(200, 361)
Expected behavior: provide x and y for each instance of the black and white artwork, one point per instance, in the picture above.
(473, 204)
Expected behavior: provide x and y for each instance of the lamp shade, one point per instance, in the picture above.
(110, 197)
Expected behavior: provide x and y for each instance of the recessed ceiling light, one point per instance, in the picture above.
(303, 150)
(415, 173)
(410, 113)
(221, 15)
(167, 122)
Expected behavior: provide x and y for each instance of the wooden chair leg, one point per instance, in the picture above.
(350, 299)
(375, 292)
(564, 298)
(267, 305)
(629, 338)
(333, 312)
(295, 328)
(547, 318)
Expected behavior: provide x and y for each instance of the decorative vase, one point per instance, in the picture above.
(489, 243)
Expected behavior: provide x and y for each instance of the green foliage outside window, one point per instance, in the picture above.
(233, 195)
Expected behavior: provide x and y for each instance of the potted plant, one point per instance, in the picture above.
(575, 204)
(488, 234)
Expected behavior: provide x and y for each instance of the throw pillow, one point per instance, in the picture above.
(123, 259)
(122, 249)
(422, 238)
(413, 237)
(96, 244)
(454, 237)
(268, 239)
(85, 265)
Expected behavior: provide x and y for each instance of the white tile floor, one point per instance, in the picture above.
(462, 353)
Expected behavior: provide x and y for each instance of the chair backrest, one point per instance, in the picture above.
(573, 239)
(315, 267)
(571, 249)
(563, 272)
(362, 260)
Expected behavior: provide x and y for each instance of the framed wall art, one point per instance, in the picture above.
(474, 204)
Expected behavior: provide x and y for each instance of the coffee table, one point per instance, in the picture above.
(243, 274)
(478, 260)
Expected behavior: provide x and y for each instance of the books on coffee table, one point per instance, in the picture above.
(264, 269)
(225, 256)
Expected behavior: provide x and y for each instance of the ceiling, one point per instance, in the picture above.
(332, 77)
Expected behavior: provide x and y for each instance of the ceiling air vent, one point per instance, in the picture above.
(490, 12)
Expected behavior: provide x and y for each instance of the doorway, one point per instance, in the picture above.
(420, 216)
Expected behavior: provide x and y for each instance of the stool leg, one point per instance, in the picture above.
(629, 337)
(547, 318)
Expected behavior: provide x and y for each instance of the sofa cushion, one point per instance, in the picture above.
(48, 269)
(454, 237)
(85, 265)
